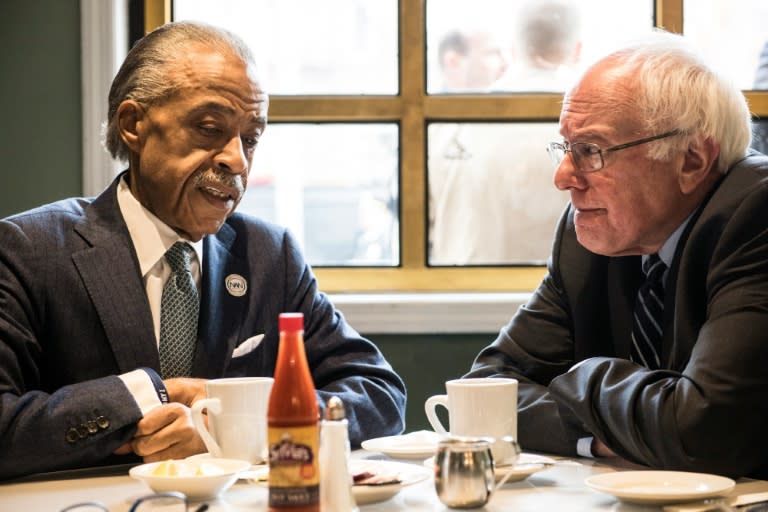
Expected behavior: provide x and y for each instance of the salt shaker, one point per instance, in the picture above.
(335, 478)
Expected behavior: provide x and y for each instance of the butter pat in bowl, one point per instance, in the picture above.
(199, 479)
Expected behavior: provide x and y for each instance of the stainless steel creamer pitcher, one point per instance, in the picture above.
(464, 470)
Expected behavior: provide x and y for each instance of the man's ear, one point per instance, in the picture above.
(699, 164)
(130, 114)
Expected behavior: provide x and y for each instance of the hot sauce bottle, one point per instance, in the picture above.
(293, 428)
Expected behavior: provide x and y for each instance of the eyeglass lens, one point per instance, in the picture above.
(556, 153)
(85, 507)
(160, 504)
(586, 157)
(153, 503)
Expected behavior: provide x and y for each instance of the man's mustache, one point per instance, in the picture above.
(219, 177)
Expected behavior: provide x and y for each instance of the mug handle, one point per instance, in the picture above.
(430, 407)
(213, 405)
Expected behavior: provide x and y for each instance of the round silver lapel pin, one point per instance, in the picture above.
(236, 285)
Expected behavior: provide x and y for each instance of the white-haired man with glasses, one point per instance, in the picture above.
(647, 336)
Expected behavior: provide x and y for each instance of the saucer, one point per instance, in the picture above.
(527, 464)
(659, 487)
(414, 445)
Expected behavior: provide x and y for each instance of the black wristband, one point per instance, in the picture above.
(162, 392)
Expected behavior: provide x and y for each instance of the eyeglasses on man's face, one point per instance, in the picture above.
(160, 502)
(588, 157)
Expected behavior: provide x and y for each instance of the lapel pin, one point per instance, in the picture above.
(236, 285)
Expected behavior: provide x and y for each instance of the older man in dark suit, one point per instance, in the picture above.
(82, 281)
(670, 373)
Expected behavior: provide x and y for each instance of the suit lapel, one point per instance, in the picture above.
(685, 306)
(110, 272)
(222, 310)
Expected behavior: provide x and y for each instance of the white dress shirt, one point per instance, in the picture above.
(151, 238)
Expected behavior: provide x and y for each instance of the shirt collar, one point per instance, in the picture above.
(667, 251)
(151, 237)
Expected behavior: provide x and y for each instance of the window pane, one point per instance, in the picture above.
(487, 45)
(334, 185)
(760, 136)
(492, 200)
(732, 34)
(311, 47)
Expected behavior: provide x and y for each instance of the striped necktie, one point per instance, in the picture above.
(179, 308)
(649, 313)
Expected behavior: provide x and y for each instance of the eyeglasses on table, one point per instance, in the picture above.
(160, 502)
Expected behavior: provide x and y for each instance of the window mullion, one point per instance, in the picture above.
(669, 14)
(412, 137)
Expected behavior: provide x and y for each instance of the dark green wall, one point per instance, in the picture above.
(425, 362)
(40, 124)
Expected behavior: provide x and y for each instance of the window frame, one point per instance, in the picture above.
(412, 109)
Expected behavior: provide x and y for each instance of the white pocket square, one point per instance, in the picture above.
(248, 346)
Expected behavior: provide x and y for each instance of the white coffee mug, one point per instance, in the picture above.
(484, 407)
(237, 417)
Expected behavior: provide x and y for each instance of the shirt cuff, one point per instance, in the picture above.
(584, 447)
(140, 385)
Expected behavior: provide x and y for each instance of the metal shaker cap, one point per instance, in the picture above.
(334, 409)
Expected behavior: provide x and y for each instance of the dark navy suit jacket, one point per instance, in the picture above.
(707, 408)
(74, 314)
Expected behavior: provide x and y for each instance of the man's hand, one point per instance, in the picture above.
(167, 432)
(185, 390)
(599, 449)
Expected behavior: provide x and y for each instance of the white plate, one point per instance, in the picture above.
(196, 487)
(415, 445)
(658, 487)
(527, 464)
(408, 474)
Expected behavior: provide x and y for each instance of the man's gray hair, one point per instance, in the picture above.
(677, 89)
(146, 74)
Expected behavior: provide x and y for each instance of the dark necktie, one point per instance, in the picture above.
(179, 310)
(649, 313)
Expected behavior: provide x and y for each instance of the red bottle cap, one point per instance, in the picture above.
(291, 321)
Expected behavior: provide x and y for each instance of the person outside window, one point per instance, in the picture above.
(490, 202)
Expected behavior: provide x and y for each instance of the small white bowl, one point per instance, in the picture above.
(199, 479)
